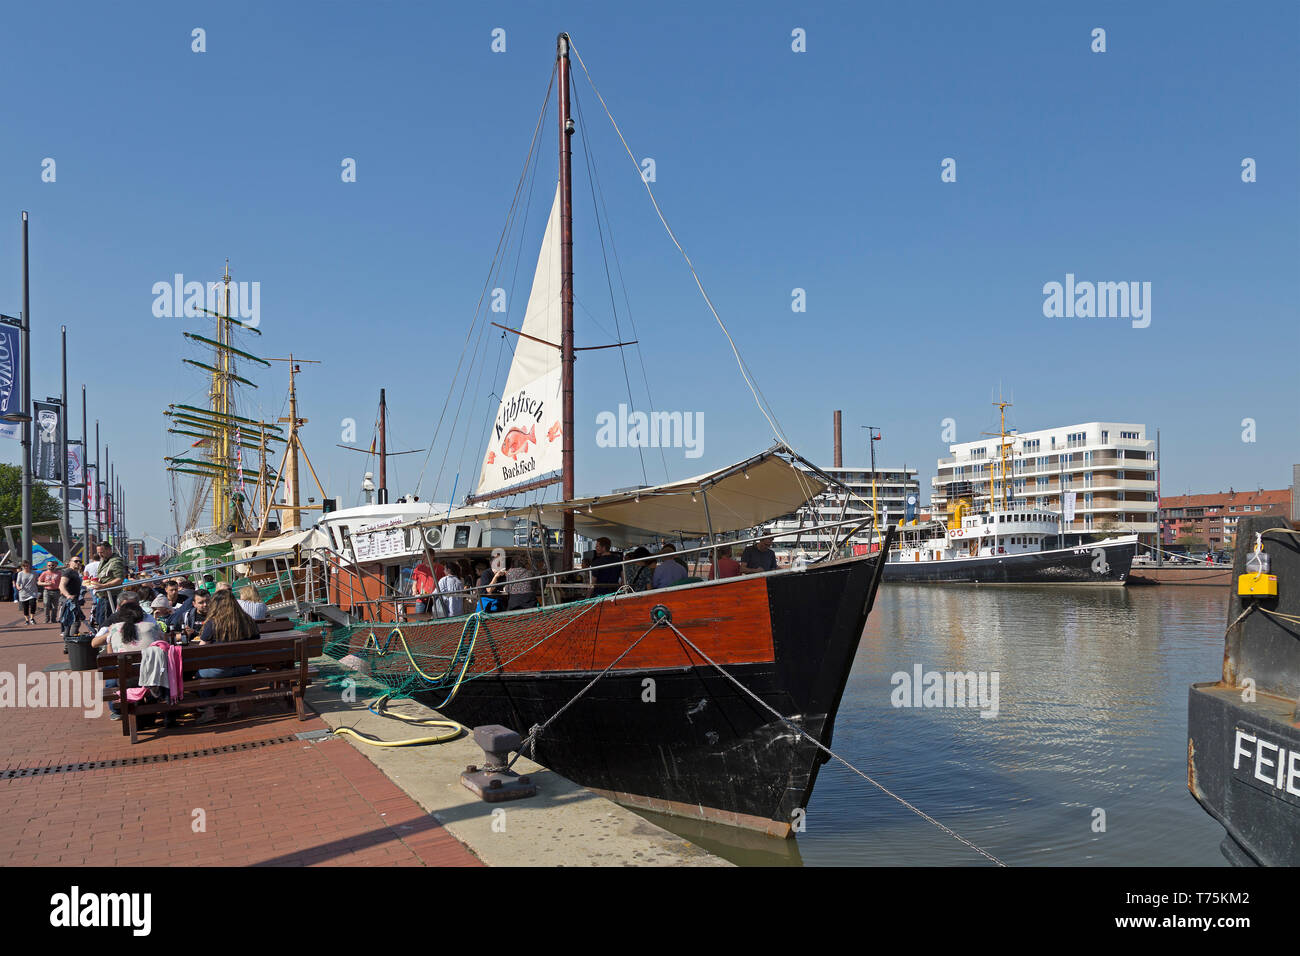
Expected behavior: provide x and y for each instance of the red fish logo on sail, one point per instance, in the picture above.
(554, 433)
(517, 442)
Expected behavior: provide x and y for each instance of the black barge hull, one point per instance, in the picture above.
(697, 745)
(1098, 564)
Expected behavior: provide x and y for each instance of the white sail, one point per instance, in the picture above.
(525, 442)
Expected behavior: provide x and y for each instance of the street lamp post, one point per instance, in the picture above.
(875, 436)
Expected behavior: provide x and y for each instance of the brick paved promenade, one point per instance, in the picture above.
(274, 800)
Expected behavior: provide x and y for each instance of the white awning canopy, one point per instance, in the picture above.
(740, 496)
(308, 538)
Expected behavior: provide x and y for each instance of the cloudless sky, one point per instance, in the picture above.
(778, 170)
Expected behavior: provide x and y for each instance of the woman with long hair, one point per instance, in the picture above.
(227, 622)
(127, 631)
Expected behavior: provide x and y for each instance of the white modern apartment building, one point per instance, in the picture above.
(893, 485)
(1110, 467)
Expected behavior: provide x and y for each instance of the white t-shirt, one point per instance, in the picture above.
(146, 633)
(451, 603)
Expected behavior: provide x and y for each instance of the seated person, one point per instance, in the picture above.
(640, 576)
(728, 567)
(758, 557)
(669, 570)
(127, 631)
(226, 623)
(252, 603)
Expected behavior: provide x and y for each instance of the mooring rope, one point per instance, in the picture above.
(536, 730)
(820, 746)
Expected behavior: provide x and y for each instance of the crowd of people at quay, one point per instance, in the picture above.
(133, 615)
(455, 587)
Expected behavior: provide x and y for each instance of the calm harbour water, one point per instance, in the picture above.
(1093, 714)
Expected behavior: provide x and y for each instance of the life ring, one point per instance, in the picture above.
(958, 533)
(433, 537)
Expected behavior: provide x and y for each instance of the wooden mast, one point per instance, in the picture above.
(566, 295)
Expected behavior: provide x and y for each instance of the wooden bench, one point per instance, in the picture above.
(280, 672)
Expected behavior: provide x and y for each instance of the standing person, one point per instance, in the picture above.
(70, 616)
(449, 589)
(605, 580)
(26, 589)
(520, 592)
(758, 557)
(112, 575)
(49, 582)
(422, 585)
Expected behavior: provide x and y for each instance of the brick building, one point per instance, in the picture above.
(1212, 519)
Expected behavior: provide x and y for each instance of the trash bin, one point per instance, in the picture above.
(6, 585)
(81, 656)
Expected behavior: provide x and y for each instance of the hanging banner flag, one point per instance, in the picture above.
(91, 503)
(47, 463)
(74, 465)
(909, 508)
(1069, 506)
(10, 393)
(239, 463)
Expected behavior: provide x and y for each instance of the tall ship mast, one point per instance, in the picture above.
(754, 665)
(217, 481)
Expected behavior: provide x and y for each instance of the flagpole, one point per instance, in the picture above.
(85, 496)
(66, 527)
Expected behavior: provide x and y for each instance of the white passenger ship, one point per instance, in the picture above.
(1008, 546)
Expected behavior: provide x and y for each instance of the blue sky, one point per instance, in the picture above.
(778, 170)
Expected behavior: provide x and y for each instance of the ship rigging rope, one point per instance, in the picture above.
(529, 742)
(760, 399)
(609, 282)
(820, 746)
(501, 244)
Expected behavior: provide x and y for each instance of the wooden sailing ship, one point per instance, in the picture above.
(712, 699)
(224, 501)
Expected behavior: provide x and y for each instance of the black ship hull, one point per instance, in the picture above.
(1243, 731)
(681, 738)
(1101, 564)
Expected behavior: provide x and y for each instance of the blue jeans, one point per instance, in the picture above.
(110, 684)
(222, 672)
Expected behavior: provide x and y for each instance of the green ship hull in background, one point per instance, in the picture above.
(193, 561)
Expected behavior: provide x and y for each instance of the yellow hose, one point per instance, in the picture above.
(453, 731)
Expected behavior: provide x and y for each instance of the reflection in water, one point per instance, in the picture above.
(1092, 720)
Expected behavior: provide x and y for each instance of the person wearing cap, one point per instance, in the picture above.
(162, 610)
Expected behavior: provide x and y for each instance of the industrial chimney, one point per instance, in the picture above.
(839, 441)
